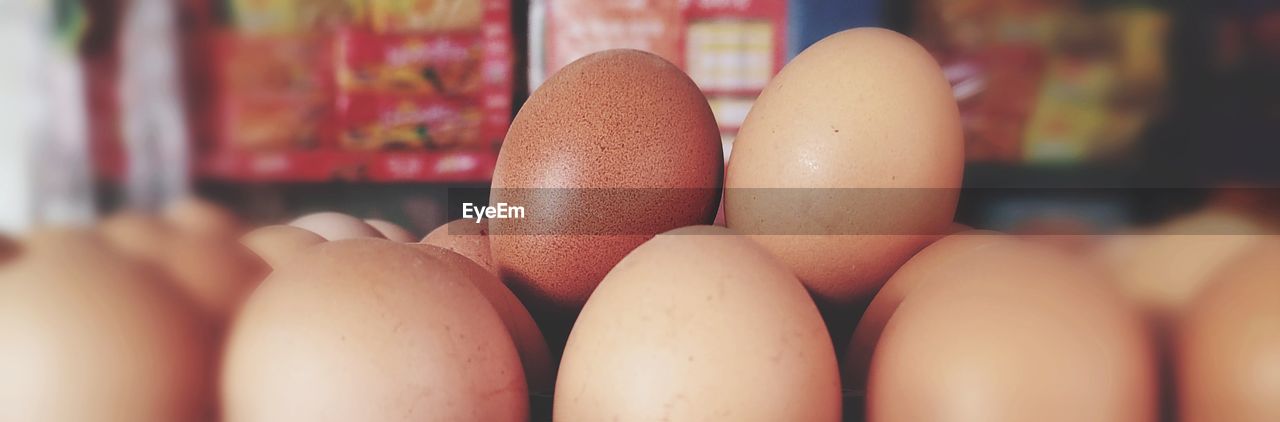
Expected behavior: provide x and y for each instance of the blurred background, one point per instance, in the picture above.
(1081, 116)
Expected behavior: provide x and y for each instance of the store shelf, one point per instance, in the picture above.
(327, 166)
(1084, 176)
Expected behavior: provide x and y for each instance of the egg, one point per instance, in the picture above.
(535, 357)
(392, 231)
(930, 264)
(848, 163)
(698, 324)
(1013, 331)
(1228, 354)
(336, 226)
(370, 330)
(611, 150)
(1164, 269)
(137, 235)
(215, 272)
(275, 244)
(200, 217)
(86, 335)
(466, 238)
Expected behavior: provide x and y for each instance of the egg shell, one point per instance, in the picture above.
(215, 272)
(923, 267)
(698, 324)
(620, 144)
(849, 162)
(336, 226)
(1013, 331)
(370, 330)
(275, 244)
(137, 235)
(466, 238)
(392, 231)
(534, 355)
(1228, 354)
(1165, 268)
(86, 335)
(200, 217)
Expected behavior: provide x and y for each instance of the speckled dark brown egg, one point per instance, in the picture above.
(621, 145)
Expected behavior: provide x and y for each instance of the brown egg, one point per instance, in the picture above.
(200, 217)
(466, 238)
(275, 244)
(1228, 364)
(1165, 269)
(1012, 331)
(621, 145)
(336, 226)
(215, 272)
(392, 231)
(534, 355)
(923, 267)
(137, 235)
(699, 324)
(370, 330)
(849, 162)
(86, 335)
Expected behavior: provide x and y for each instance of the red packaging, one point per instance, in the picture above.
(376, 122)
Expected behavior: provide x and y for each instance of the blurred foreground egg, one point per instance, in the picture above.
(931, 264)
(200, 217)
(137, 235)
(1013, 331)
(336, 226)
(849, 162)
(370, 330)
(392, 231)
(611, 150)
(87, 336)
(1228, 352)
(215, 272)
(466, 238)
(699, 324)
(1166, 269)
(275, 244)
(534, 355)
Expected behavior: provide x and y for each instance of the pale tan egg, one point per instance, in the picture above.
(1013, 331)
(370, 330)
(137, 235)
(215, 272)
(699, 324)
(336, 226)
(1228, 343)
(201, 217)
(931, 264)
(87, 335)
(849, 162)
(275, 244)
(392, 231)
(1166, 268)
(535, 357)
(465, 237)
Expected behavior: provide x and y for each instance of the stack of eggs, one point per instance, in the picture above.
(616, 293)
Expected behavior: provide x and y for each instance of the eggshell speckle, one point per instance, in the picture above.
(849, 162)
(626, 123)
(534, 355)
(698, 324)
